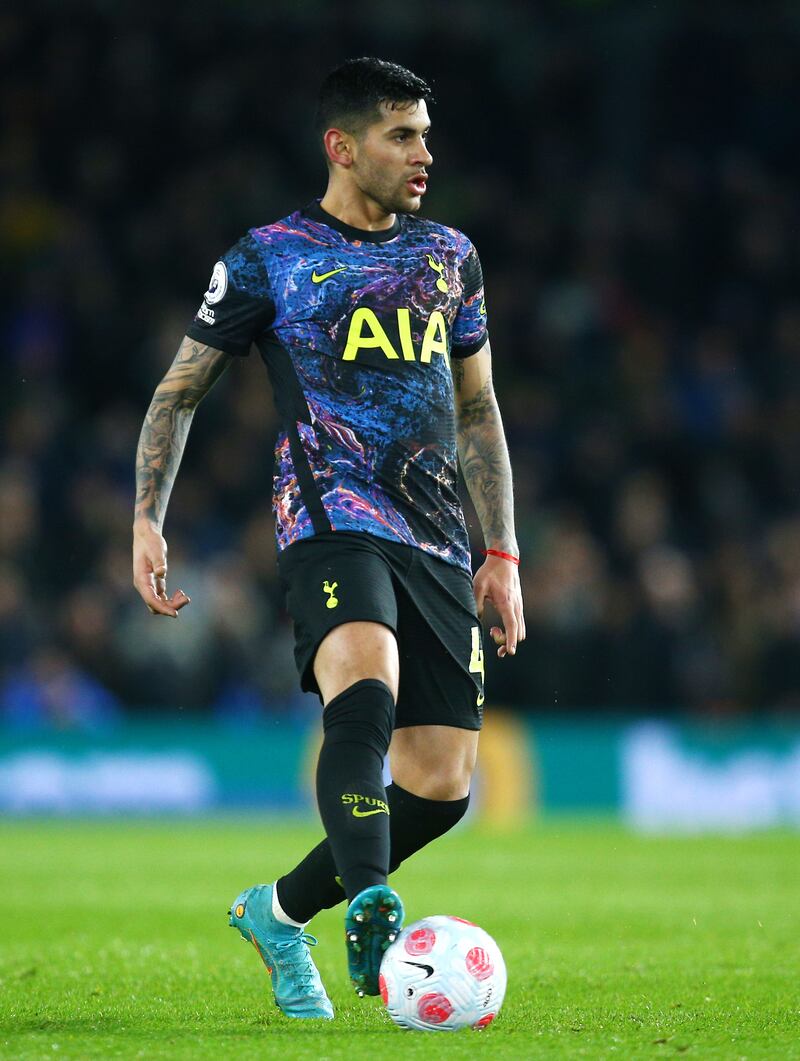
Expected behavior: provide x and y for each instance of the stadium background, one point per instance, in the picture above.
(629, 174)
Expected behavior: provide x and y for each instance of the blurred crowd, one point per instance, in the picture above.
(631, 184)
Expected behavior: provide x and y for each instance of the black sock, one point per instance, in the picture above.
(413, 823)
(416, 821)
(358, 726)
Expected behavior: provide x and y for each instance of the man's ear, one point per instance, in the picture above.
(338, 147)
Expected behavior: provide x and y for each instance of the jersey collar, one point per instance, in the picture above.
(315, 212)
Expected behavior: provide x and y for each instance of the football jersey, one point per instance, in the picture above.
(356, 330)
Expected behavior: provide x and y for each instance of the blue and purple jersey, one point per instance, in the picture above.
(356, 330)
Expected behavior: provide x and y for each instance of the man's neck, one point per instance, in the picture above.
(356, 210)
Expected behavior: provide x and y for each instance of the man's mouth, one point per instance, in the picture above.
(418, 184)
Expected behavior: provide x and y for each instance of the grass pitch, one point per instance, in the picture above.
(114, 944)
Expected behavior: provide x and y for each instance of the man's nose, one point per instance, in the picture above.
(422, 157)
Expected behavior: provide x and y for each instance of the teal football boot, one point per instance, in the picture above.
(284, 950)
(371, 923)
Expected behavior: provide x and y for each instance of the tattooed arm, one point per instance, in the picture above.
(482, 450)
(483, 456)
(166, 426)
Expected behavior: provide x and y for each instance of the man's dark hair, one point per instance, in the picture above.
(351, 94)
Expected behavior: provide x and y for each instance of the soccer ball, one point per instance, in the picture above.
(443, 974)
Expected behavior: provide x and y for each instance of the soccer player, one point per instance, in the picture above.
(372, 326)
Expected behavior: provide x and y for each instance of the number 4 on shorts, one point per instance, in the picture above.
(476, 660)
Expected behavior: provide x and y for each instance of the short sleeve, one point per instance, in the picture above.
(238, 305)
(469, 328)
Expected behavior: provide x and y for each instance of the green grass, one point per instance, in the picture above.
(114, 944)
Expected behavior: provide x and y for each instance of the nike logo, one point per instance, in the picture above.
(366, 813)
(428, 968)
(317, 278)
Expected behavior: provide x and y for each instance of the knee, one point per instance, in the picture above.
(362, 714)
(351, 672)
(445, 785)
(434, 762)
(440, 780)
(355, 652)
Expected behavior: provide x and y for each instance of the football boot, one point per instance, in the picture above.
(284, 950)
(371, 924)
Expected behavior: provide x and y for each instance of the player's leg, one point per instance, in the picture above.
(440, 703)
(437, 720)
(431, 763)
(435, 763)
(414, 821)
(333, 583)
(356, 669)
(441, 690)
(431, 771)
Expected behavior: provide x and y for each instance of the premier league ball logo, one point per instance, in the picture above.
(218, 285)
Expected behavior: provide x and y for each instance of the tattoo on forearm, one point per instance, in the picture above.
(485, 465)
(166, 426)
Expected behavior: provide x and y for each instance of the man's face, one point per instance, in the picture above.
(390, 159)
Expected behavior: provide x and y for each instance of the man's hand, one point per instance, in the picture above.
(497, 580)
(150, 571)
(158, 457)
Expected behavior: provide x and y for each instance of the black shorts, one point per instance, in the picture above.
(342, 577)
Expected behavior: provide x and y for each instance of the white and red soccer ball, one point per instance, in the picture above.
(443, 974)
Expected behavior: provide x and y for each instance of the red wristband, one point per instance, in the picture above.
(503, 556)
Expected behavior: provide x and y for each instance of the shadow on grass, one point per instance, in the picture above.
(243, 1030)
